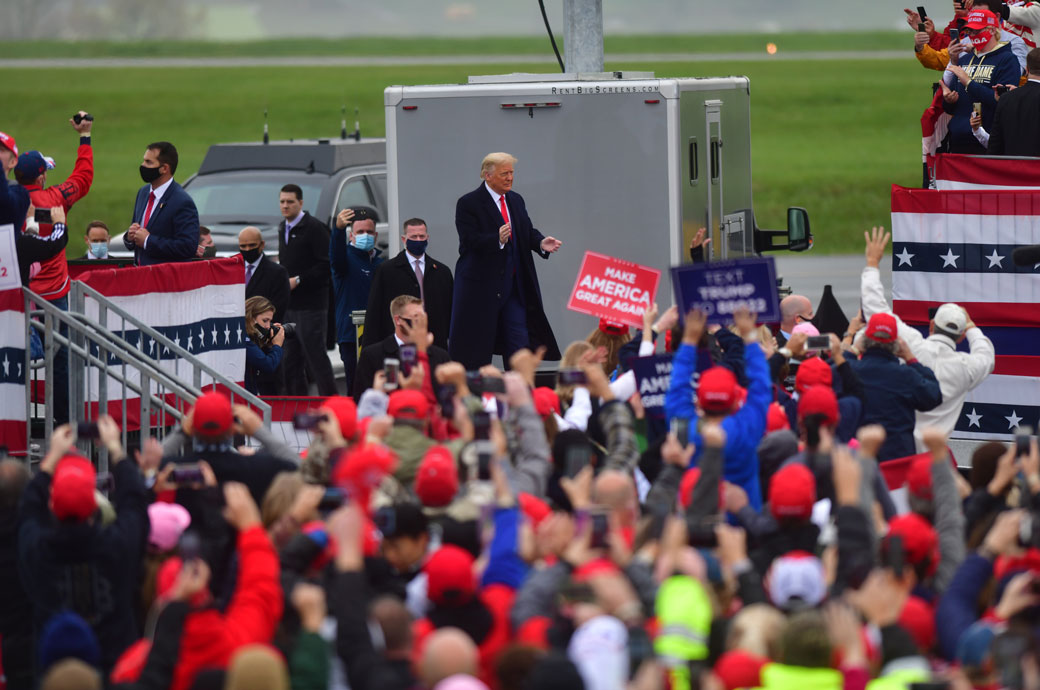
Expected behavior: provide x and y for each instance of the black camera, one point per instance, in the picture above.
(290, 329)
(1000, 89)
(77, 118)
(700, 533)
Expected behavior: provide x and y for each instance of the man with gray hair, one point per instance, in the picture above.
(497, 304)
(958, 373)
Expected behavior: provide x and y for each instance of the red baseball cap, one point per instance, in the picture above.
(7, 141)
(882, 327)
(812, 372)
(546, 402)
(819, 400)
(533, 507)
(920, 542)
(689, 481)
(919, 620)
(919, 476)
(776, 418)
(212, 415)
(717, 390)
(612, 327)
(980, 19)
(450, 580)
(72, 489)
(792, 492)
(437, 480)
(408, 404)
(345, 412)
(740, 669)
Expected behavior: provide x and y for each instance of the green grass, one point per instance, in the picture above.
(524, 45)
(830, 136)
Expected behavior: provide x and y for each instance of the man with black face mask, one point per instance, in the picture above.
(264, 277)
(165, 226)
(401, 275)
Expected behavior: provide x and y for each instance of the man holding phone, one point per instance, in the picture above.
(409, 329)
(354, 258)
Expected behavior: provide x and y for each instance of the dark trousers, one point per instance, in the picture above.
(512, 326)
(305, 356)
(348, 353)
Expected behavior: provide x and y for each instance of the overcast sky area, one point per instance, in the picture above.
(256, 19)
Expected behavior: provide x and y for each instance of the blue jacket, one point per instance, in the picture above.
(959, 604)
(352, 271)
(14, 204)
(894, 392)
(744, 429)
(1000, 66)
(173, 227)
(260, 362)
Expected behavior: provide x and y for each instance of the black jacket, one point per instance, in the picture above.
(32, 249)
(396, 277)
(307, 255)
(1016, 124)
(82, 567)
(371, 361)
(270, 280)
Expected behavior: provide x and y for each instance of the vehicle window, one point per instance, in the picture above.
(378, 183)
(354, 193)
(244, 199)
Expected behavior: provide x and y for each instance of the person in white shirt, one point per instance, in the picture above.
(958, 373)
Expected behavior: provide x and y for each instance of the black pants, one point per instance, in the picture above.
(304, 355)
(348, 353)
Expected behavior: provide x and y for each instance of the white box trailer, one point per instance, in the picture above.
(620, 163)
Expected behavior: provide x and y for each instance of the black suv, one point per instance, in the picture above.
(238, 184)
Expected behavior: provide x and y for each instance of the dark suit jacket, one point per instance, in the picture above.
(372, 356)
(481, 282)
(306, 255)
(271, 280)
(396, 277)
(1016, 124)
(173, 227)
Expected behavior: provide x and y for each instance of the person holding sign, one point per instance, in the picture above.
(717, 400)
(497, 304)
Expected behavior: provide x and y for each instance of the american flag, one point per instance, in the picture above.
(955, 246)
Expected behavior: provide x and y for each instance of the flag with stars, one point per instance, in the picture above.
(955, 246)
(12, 375)
(199, 305)
(954, 171)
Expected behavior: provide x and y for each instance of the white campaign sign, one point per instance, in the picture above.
(10, 276)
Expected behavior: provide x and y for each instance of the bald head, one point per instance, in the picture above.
(615, 490)
(71, 674)
(448, 652)
(793, 310)
(396, 623)
(249, 235)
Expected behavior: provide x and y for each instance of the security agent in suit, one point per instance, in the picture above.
(303, 249)
(165, 227)
(497, 305)
(400, 276)
(264, 277)
(410, 326)
(1016, 123)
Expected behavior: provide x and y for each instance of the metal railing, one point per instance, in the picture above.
(106, 367)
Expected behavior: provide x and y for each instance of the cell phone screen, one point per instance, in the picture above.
(681, 428)
(390, 369)
(481, 426)
(816, 343)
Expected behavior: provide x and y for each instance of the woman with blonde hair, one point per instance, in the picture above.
(263, 344)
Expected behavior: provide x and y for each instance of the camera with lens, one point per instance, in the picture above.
(290, 330)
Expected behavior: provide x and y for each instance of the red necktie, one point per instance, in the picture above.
(505, 213)
(148, 209)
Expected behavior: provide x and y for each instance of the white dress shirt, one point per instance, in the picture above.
(158, 192)
(495, 196)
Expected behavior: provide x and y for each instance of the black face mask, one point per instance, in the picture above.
(150, 175)
(251, 255)
(416, 247)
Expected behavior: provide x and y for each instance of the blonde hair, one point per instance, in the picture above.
(493, 160)
(612, 344)
(255, 306)
(756, 629)
(570, 359)
(280, 496)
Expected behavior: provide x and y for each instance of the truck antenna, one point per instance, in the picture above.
(343, 122)
(266, 138)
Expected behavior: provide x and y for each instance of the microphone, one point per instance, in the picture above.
(1026, 256)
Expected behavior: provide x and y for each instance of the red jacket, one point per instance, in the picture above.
(498, 600)
(52, 280)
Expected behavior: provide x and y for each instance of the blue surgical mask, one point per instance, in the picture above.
(416, 247)
(364, 242)
(99, 250)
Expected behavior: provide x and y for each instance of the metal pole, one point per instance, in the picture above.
(583, 35)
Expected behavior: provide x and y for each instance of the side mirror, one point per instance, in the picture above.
(799, 236)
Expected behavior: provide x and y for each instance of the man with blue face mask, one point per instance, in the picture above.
(96, 238)
(353, 257)
(412, 272)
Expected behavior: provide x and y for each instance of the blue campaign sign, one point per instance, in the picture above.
(653, 376)
(719, 288)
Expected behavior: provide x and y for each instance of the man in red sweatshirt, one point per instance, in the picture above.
(50, 279)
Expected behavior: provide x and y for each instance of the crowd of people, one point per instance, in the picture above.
(990, 85)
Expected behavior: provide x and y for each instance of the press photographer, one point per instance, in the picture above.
(264, 341)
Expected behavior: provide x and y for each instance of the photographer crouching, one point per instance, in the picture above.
(263, 346)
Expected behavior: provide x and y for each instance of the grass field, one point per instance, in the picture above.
(830, 136)
(524, 45)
